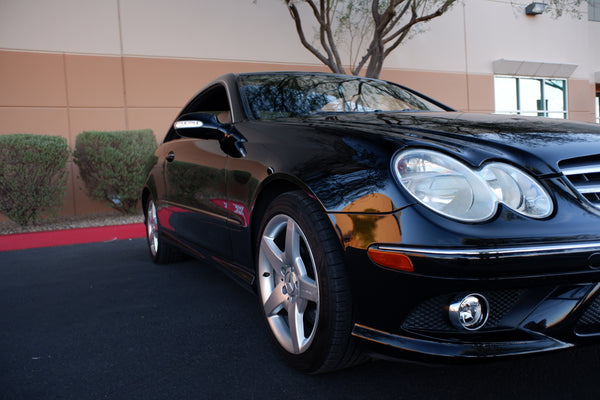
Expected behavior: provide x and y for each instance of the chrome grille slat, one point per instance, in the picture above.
(588, 188)
(584, 175)
(581, 169)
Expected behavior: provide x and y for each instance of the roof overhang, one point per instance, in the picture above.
(533, 68)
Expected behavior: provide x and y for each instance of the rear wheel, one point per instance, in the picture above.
(161, 251)
(302, 284)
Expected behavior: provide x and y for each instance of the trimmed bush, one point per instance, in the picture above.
(114, 165)
(33, 176)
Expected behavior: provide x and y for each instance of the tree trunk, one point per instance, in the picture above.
(375, 64)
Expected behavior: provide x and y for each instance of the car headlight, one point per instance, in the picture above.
(517, 190)
(454, 190)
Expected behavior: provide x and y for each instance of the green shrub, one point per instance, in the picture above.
(33, 176)
(114, 165)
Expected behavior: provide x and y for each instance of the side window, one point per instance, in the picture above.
(598, 105)
(531, 96)
(213, 100)
(594, 10)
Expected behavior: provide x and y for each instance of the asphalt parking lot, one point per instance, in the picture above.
(100, 321)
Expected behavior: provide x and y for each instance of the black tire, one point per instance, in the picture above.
(300, 273)
(161, 251)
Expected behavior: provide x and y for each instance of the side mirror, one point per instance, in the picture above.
(200, 125)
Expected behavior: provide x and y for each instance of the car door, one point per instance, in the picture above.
(196, 178)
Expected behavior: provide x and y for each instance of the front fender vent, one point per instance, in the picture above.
(589, 323)
(584, 175)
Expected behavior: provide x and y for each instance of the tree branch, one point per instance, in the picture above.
(397, 18)
(325, 35)
(402, 32)
(298, 22)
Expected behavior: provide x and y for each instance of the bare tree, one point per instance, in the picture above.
(369, 30)
(385, 24)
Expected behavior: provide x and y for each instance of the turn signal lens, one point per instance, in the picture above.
(388, 259)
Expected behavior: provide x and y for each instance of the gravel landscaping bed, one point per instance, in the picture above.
(71, 222)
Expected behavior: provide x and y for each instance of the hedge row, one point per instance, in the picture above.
(33, 171)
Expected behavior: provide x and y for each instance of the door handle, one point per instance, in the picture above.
(170, 157)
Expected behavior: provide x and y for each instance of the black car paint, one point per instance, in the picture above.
(344, 162)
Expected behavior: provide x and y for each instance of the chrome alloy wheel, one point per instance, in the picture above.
(152, 228)
(288, 284)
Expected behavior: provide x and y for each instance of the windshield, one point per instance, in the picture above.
(271, 96)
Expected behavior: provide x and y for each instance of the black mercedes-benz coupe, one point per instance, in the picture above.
(370, 219)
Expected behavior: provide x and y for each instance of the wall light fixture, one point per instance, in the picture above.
(535, 8)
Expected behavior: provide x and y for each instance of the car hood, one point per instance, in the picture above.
(538, 144)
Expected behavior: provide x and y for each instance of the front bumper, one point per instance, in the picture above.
(389, 344)
(530, 311)
(501, 261)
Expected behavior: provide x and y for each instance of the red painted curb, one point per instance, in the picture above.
(32, 240)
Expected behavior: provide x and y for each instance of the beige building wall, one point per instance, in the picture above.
(73, 65)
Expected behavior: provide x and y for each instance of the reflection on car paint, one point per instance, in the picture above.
(237, 208)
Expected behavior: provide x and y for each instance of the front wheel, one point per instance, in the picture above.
(302, 284)
(161, 252)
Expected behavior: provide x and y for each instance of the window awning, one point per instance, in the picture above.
(533, 68)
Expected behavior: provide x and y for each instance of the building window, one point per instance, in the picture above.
(531, 96)
(594, 10)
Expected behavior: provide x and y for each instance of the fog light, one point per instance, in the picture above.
(470, 313)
